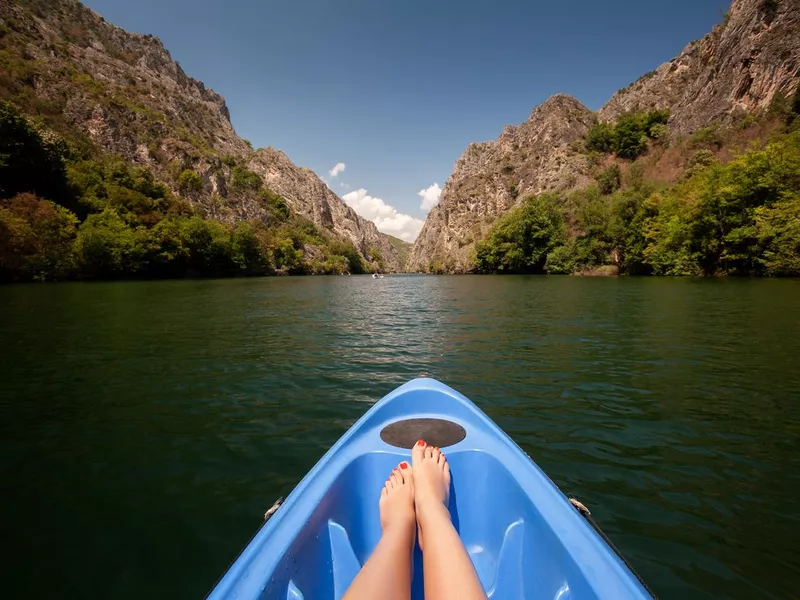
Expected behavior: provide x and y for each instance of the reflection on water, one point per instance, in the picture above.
(147, 426)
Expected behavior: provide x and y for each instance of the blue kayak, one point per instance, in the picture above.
(524, 536)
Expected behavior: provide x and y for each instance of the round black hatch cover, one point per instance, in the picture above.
(436, 432)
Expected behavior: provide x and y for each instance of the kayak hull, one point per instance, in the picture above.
(522, 534)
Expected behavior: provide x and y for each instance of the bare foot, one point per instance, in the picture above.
(431, 483)
(397, 500)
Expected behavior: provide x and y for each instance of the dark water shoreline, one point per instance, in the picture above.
(580, 275)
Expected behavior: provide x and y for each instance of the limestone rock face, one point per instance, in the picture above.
(313, 199)
(126, 94)
(492, 177)
(736, 69)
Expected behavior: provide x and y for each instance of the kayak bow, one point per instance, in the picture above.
(524, 537)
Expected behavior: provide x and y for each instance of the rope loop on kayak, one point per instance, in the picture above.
(586, 514)
(273, 509)
(581, 507)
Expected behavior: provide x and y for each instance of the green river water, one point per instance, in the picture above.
(147, 426)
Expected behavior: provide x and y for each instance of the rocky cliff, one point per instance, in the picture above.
(737, 69)
(491, 177)
(123, 93)
(313, 199)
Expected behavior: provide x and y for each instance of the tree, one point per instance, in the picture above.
(247, 251)
(724, 232)
(520, 241)
(630, 138)
(600, 138)
(209, 245)
(610, 180)
(30, 161)
(37, 240)
(110, 248)
(778, 231)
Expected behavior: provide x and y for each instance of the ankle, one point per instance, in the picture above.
(400, 529)
(429, 513)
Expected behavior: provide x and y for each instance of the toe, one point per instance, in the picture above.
(418, 452)
(404, 470)
(435, 453)
(429, 452)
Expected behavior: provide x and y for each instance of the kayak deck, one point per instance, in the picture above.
(524, 537)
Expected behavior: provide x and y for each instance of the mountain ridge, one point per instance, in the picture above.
(734, 71)
(125, 93)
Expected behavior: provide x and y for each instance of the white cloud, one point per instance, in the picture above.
(338, 168)
(430, 196)
(344, 185)
(385, 217)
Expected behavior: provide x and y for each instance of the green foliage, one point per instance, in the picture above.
(108, 247)
(610, 180)
(778, 233)
(30, 161)
(90, 84)
(794, 113)
(133, 226)
(353, 262)
(521, 240)
(628, 138)
(659, 131)
(732, 219)
(700, 160)
(245, 179)
(707, 137)
(563, 260)
(600, 138)
(725, 239)
(738, 219)
(36, 240)
(110, 182)
(189, 182)
(249, 252)
(276, 203)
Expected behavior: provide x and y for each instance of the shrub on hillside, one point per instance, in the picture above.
(245, 179)
(36, 239)
(189, 182)
(628, 138)
(600, 138)
(610, 180)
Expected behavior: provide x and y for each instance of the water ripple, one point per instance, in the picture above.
(150, 424)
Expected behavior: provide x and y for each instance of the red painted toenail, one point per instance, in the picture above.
(403, 465)
(421, 443)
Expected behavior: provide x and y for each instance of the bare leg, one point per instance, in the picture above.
(449, 573)
(387, 572)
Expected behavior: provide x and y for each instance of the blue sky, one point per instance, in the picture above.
(396, 89)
